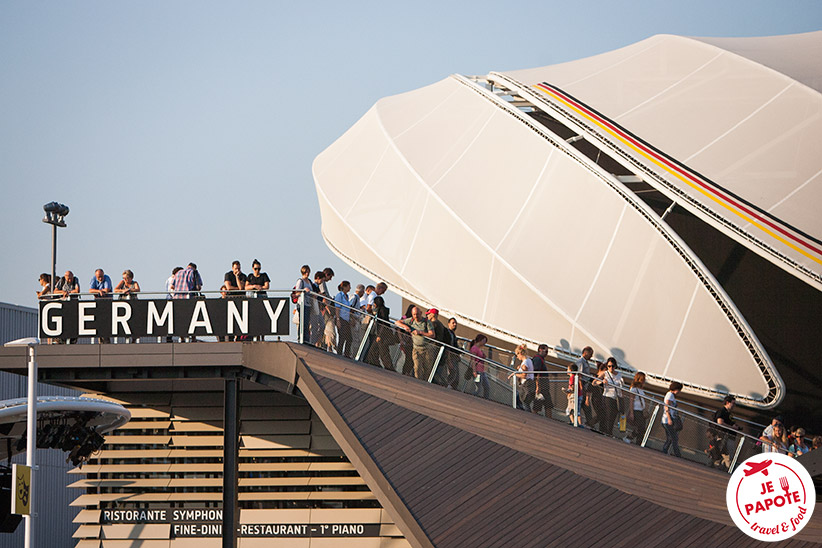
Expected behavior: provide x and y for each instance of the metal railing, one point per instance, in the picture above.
(322, 322)
(551, 394)
(503, 355)
(699, 439)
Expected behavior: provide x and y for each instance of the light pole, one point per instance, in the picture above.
(55, 216)
(31, 427)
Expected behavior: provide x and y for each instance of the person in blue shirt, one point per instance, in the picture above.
(101, 289)
(343, 313)
(100, 284)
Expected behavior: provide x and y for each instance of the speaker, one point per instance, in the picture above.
(8, 521)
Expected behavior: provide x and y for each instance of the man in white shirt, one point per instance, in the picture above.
(378, 291)
(356, 303)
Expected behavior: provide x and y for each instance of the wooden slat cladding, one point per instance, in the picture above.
(450, 469)
(464, 489)
(172, 458)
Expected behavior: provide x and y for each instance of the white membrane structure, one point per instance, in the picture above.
(657, 202)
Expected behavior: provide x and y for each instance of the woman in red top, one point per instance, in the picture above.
(478, 366)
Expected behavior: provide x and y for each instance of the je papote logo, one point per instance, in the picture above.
(770, 497)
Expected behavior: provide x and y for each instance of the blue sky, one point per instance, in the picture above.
(185, 131)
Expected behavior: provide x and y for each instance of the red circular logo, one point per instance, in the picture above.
(770, 497)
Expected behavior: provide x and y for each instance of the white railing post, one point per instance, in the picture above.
(650, 425)
(302, 317)
(436, 364)
(514, 391)
(576, 406)
(364, 341)
(736, 454)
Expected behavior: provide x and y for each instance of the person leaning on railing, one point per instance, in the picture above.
(68, 286)
(798, 447)
(45, 285)
(128, 286)
(258, 280)
(777, 441)
(419, 328)
(101, 288)
(100, 285)
(186, 282)
(233, 281)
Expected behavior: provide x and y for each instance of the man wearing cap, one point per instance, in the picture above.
(419, 328)
(439, 328)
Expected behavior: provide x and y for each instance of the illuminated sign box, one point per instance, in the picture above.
(206, 522)
(254, 316)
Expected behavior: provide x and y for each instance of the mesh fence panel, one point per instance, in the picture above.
(383, 344)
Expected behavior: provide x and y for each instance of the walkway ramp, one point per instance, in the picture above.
(451, 469)
(457, 470)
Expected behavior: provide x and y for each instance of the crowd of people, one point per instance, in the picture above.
(68, 286)
(184, 282)
(340, 323)
(603, 401)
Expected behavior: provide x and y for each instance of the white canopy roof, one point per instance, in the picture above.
(459, 200)
(745, 113)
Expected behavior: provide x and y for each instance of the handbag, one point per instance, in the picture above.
(295, 317)
(677, 423)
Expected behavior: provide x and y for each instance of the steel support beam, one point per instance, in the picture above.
(231, 446)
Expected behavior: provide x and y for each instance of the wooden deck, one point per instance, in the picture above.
(475, 473)
(451, 469)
